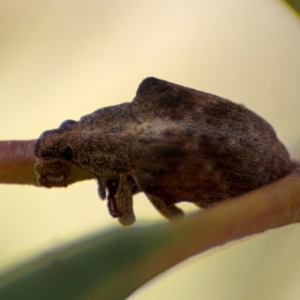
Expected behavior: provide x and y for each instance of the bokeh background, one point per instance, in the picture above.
(62, 59)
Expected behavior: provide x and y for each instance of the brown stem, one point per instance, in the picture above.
(17, 161)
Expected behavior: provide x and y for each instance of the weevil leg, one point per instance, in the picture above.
(170, 211)
(124, 201)
(112, 187)
(101, 189)
(119, 198)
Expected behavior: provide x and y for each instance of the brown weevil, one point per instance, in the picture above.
(171, 142)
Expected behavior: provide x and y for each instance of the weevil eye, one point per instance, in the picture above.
(65, 152)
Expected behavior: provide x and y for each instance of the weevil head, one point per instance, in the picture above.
(58, 144)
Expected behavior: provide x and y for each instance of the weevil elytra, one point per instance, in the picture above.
(171, 142)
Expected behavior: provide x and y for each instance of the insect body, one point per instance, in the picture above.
(171, 142)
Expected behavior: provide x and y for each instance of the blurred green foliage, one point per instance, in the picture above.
(295, 4)
(104, 266)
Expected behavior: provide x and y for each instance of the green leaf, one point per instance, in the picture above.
(87, 267)
(295, 4)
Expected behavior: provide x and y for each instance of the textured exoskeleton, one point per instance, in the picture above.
(171, 142)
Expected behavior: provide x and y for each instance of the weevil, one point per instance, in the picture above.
(172, 143)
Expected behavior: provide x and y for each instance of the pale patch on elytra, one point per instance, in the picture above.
(157, 128)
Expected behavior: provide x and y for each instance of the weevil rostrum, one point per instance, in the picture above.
(172, 143)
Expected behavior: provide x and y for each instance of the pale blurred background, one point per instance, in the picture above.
(62, 59)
